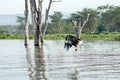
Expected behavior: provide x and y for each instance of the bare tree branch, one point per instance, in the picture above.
(74, 23)
(79, 26)
(83, 24)
(86, 20)
(47, 14)
(46, 17)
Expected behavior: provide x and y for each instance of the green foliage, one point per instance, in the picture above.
(56, 22)
(31, 36)
(9, 29)
(21, 21)
(102, 21)
(92, 22)
(11, 36)
(101, 36)
(110, 17)
(88, 36)
(2, 31)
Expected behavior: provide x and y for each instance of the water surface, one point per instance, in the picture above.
(94, 60)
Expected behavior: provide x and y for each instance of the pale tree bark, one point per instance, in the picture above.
(37, 20)
(26, 23)
(33, 13)
(47, 15)
(38, 31)
(79, 26)
(34, 18)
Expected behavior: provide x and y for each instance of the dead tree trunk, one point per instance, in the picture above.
(26, 23)
(37, 20)
(34, 20)
(79, 26)
(38, 31)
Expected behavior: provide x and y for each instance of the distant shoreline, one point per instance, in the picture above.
(90, 36)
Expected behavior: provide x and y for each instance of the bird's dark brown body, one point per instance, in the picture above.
(71, 41)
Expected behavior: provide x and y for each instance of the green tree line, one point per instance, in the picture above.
(103, 19)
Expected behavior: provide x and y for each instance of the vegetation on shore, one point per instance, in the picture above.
(90, 36)
(103, 24)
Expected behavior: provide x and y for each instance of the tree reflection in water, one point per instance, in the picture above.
(29, 61)
(74, 75)
(36, 64)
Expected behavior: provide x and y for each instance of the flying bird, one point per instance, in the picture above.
(71, 41)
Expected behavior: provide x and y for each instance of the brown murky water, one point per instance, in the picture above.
(94, 60)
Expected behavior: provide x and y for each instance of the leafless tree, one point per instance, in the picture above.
(78, 25)
(37, 20)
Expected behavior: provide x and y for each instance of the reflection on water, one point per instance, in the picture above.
(94, 60)
(36, 70)
(73, 75)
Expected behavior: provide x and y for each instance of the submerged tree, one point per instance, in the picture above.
(37, 20)
(26, 33)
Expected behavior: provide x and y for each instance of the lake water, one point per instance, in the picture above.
(94, 60)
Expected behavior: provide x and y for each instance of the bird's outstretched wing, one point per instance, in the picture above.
(68, 42)
(67, 45)
(71, 40)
